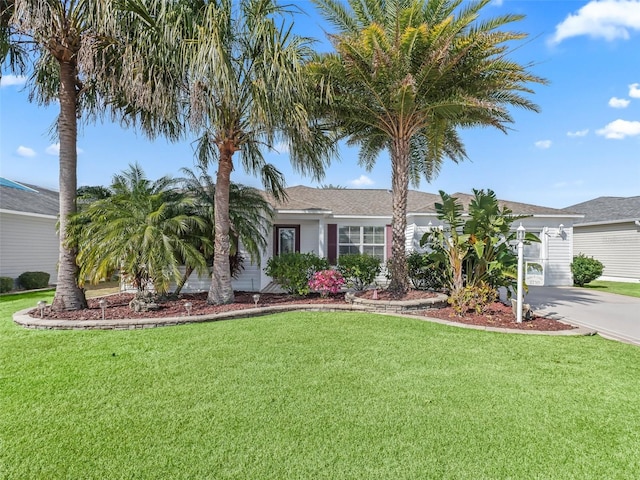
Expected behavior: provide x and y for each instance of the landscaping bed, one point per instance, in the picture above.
(117, 307)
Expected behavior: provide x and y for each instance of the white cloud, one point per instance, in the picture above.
(608, 19)
(615, 102)
(54, 149)
(578, 133)
(543, 144)
(25, 151)
(634, 90)
(9, 80)
(619, 129)
(361, 181)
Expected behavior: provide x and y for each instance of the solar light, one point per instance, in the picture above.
(187, 307)
(41, 306)
(103, 306)
(256, 299)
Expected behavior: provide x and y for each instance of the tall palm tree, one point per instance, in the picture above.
(250, 216)
(145, 228)
(93, 57)
(406, 75)
(248, 91)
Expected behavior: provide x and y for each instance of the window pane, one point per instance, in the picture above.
(374, 251)
(374, 235)
(349, 235)
(286, 240)
(348, 249)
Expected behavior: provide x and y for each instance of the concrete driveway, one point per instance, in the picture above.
(612, 316)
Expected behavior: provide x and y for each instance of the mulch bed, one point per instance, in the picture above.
(498, 315)
(117, 307)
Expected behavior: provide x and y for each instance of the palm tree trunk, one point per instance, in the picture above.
(221, 291)
(187, 273)
(400, 156)
(68, 295)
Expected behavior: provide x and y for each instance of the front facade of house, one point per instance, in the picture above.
(334, 222)
(610, 233)
(28, 236)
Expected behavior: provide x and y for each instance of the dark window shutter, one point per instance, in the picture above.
(332, 242)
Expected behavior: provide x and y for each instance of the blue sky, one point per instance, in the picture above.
(585, 143)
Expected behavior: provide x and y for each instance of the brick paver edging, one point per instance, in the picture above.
(23, 319)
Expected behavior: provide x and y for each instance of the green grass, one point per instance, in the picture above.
(314, 396)
(621, 288)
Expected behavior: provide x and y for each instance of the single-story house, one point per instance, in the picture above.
(610, 233)
(332, 222)
(28, 236)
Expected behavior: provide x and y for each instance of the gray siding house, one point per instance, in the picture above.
(610, 232)
(28, 238)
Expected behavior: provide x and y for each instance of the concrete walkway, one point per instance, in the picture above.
(612, 316)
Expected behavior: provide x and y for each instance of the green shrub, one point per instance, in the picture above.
(359, 270)
(474, 298)
(585, 269)
(6, 284)
(292, 271)
(425, 273)
(33, 280)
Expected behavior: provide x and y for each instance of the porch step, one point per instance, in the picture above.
(272, 287)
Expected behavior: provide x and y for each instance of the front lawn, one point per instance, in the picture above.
(621, 288)
(314, 395)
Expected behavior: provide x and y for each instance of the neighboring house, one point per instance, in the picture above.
(333, 222)
(28, 238)
(610, 232)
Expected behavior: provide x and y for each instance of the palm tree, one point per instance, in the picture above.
(145, 228)
(248, 91)
(93, 56)
(406, 75)
(249, 214)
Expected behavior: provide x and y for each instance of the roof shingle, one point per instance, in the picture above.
(34, 199)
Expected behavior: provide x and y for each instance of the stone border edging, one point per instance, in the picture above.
(23, 319)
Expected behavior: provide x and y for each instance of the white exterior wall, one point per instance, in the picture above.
(28, 243)
(616, 245)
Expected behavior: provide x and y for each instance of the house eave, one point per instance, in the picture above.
(608, 222)
(28, 214)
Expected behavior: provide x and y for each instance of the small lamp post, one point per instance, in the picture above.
(103, 305)
(41, 306)
(520, 231)
(256, 299)
(187, 307)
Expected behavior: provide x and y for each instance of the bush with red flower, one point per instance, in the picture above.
(326, 282)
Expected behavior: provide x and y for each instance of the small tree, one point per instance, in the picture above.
(477, 253)
(143, 228)
(585, 269)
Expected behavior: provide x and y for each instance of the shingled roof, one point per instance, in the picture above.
(608, 209)
(25, 198)
(374, 202)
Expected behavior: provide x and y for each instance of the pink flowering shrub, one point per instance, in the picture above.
(326, 282)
